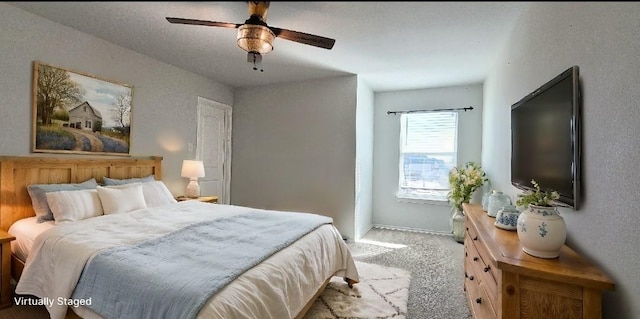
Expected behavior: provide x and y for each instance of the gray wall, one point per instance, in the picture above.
(388, 210)
(364, 160)
(295, 145)
(602, 39)
(164, 97)
(294, 148)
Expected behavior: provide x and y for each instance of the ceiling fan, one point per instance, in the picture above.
(256, 37)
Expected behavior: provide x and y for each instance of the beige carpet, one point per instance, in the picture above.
(381, 293)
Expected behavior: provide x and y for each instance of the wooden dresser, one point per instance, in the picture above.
(502, 281)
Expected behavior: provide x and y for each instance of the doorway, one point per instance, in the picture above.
(213, 147)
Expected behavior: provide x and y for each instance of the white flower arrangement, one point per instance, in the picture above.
(538, 197)
(464, 182)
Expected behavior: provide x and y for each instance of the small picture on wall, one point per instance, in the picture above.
(79, 113)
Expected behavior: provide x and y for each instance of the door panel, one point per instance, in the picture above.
(213, 148)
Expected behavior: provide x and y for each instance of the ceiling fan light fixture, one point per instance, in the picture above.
(255, 38)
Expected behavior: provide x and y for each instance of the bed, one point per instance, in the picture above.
(282, 284)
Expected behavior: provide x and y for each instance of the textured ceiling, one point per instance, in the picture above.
(390, 45)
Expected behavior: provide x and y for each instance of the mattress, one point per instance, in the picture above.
(25, 231)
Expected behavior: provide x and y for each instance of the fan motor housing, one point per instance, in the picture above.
(255, 38)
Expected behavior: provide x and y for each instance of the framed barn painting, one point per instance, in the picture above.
(79, 113)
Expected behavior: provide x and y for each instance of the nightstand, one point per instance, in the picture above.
(5, 269)
(204, 199)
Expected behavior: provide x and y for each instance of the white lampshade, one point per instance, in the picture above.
(192, 169)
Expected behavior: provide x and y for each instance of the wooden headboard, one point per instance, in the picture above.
(16, 173)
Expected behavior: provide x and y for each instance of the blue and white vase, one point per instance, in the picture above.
(542, 231)
(507, 217)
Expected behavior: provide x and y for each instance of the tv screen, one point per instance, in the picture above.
(545, 141)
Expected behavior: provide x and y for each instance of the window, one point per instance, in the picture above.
(428, 151)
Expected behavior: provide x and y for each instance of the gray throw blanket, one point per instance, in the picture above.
(173, 276)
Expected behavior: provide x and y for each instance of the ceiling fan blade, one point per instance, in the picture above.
(204, 22)
(305, 38)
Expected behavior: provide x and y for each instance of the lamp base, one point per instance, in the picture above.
(193, 189)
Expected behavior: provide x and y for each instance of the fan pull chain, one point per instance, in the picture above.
(256, 59)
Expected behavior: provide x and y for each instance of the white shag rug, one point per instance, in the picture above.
(381, 293)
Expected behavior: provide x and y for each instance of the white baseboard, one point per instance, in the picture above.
(409, 229)
(364, 232)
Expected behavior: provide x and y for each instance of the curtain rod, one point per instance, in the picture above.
(427, 111)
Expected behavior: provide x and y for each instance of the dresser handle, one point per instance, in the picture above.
(471, 277)
(479, 300)
(465, 254)
(466, 275)
(475, 238)
(486, 269)
(475, 258)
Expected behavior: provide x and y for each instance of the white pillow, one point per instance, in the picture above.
(121, 199)
(70, 206)
(37, 192)
(156, 193)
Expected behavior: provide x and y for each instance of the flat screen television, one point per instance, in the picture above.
(545, 138)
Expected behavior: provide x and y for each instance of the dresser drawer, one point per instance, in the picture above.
(480, 303)
(478, 265)
(481, 247)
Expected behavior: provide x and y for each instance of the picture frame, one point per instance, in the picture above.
(78, 113)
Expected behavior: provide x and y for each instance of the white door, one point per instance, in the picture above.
(214, 148)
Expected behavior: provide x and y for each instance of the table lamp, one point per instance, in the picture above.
(192, 169)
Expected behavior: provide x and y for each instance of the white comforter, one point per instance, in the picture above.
(277, 288)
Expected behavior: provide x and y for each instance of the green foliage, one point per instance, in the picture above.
(537, 197)
(464, 182)
(61, 115)
(56, 90)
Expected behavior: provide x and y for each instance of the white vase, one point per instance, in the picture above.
(497, 200)
(457, 225)
(542, 231)
(485, 200)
